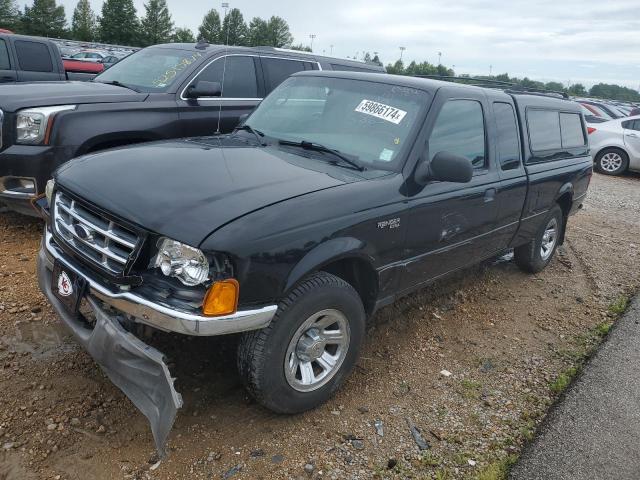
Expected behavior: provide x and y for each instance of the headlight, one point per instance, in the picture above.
(48, 190)
(32, 124)
(187, 264)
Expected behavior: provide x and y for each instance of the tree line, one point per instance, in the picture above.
(118, 23)
(601, 90)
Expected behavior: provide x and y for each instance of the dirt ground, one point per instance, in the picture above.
(468, 362)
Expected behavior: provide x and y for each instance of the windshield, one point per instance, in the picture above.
(369, 121)
(151, 69)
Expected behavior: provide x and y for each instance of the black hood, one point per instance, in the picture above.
(186, 189)
(43, 94)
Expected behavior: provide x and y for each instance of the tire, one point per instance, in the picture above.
(532, 257)
(296, 335)
(612, 161)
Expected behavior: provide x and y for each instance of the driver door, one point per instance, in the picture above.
(450, 223)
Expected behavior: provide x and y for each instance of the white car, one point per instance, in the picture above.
(615, 145)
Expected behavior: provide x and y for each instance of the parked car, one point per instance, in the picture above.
(165, 91)
(90, 56)
(615, 145)
(71, 65)
(32, 59)
(339, 194)
(109, 61)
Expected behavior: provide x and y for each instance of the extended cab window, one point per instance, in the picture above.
(571, 130)
(459, 129)
(278, 70)
(33, 56)
(4, 56)
(239, 76)
(544, 130)
(508, 138)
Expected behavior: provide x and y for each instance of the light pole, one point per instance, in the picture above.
(331, 49)
(439, 58)
(312, 37)
(225, 6)
(490, 69)
(402, 49)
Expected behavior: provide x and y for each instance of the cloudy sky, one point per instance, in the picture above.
(573, 41)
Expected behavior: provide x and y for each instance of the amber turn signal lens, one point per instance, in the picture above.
(222, 298)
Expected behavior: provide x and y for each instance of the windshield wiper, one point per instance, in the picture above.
(119, 84)
(321, 148)
(258, 134)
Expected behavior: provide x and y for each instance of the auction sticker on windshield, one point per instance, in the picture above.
(380, 110)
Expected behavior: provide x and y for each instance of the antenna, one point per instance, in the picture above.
(224, 69)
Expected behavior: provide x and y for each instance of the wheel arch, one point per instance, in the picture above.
(345, 258)
(564, 199)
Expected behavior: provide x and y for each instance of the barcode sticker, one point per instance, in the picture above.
(380, 110)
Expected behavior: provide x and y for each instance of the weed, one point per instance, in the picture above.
(470, 389)
(442, 474)
(619, 305)
(497, 470)
(563, 380)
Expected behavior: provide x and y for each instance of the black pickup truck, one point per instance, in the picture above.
(160, 92)
(340, 193)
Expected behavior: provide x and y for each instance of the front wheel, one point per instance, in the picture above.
(535, 255)
(612, 162)
(311, 345)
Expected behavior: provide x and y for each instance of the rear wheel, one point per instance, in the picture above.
(612, 161)
(536, 255)
(311, 345)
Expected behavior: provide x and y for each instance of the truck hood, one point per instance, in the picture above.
(43, 94)
(186, 189)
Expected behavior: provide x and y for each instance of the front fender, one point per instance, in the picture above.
(324, 254)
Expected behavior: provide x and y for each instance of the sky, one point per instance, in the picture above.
(570, 41)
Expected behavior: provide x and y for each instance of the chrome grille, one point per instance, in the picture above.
(89, 233)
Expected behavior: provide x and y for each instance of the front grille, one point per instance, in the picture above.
(92, 235)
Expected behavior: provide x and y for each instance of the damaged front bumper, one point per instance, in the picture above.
(136, 368)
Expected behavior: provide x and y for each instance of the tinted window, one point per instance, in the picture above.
(277, 69)
(508, 143)
(544, 130)
(350, 68)
(571, 129)
(459, 129)
(239, 76)
(631, 125)
(33, 56)
(4, 56)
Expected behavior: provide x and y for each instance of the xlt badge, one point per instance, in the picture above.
(391, 223)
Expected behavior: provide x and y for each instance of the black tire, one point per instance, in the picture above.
(607, 159)
(261, 353)
(529, 257)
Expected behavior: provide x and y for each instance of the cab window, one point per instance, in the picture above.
(459, 129)
(239, 76)
(507, 136)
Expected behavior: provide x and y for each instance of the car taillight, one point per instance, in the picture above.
(590, 130)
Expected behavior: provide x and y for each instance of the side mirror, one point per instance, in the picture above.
(445, 167)
(202, 88)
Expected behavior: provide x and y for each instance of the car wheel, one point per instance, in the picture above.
(308, 349)
(536, 255)
(612, 161)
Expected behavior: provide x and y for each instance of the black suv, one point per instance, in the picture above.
(340, 193)
(160, 92)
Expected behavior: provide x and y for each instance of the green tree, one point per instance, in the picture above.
(397, 68)
(234, 30)
(577, 89)
(614, 92)
(211, 29)
(258, 33)
(183, 35)
(300, 47)
(83, 24)
(157, 25)
(278, 34)
(119, 23)
(9, 15)
(555, 86)
(376, 60)
(44, 19)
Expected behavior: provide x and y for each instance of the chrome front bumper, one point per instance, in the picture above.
(156, 315)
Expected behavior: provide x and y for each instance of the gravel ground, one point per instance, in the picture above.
(465, 366)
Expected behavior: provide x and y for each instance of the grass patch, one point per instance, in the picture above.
(498, 470)
(619, 305)
(470, 388)
(563, 380)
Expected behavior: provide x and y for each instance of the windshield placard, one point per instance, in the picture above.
(381, 111)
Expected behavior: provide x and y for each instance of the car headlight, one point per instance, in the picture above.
(48, 190)
(33, 124)
(187, 264)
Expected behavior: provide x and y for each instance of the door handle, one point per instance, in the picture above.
(632, 135)
(489, 195)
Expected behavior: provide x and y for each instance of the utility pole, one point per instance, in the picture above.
(331, 53)
(312, 37)
(490, 69)
(402, 49)
(225, 6)
(439, 58)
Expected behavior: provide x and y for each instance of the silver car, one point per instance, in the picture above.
(615, 145)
